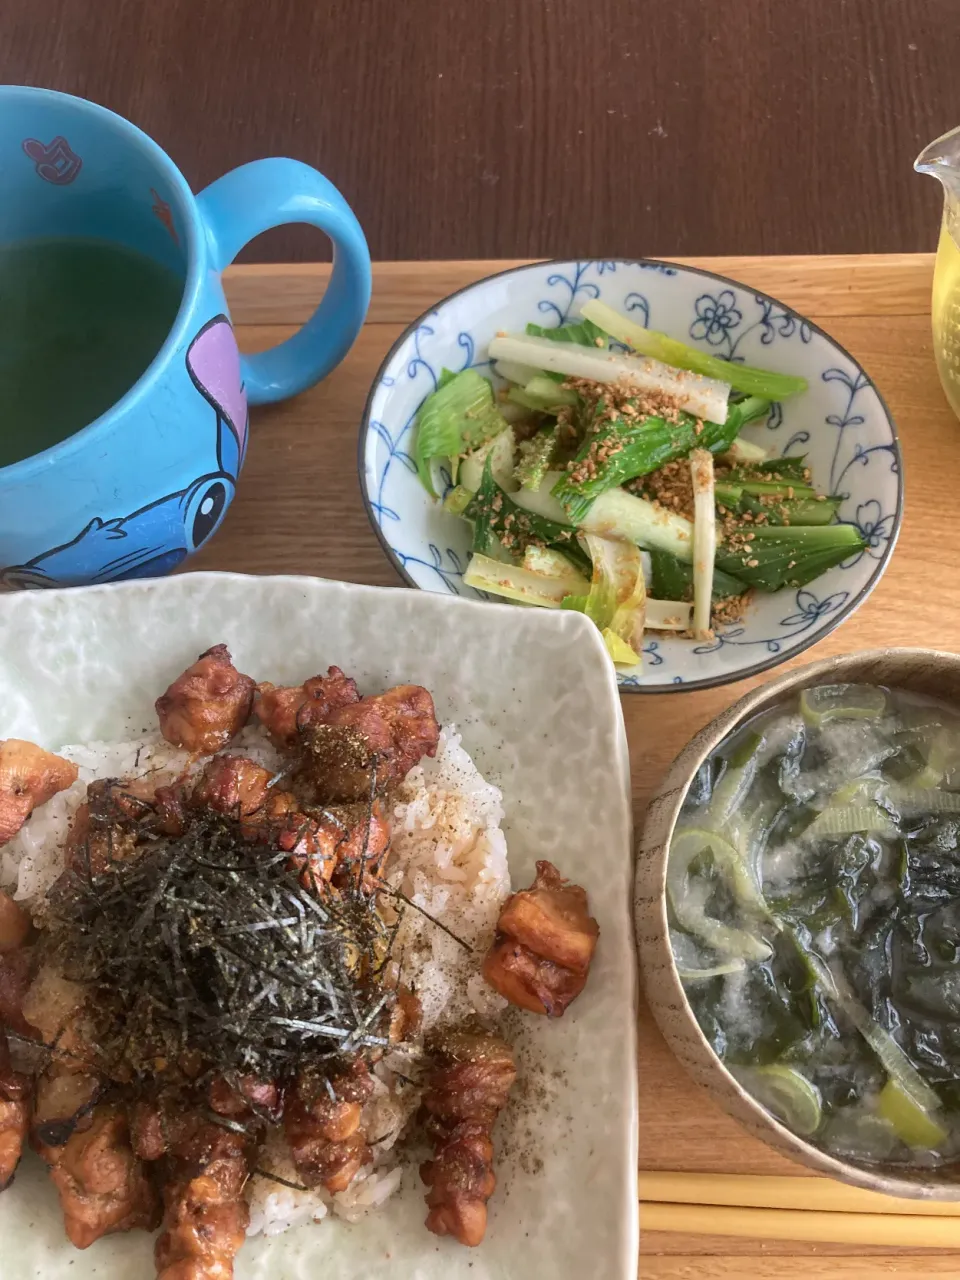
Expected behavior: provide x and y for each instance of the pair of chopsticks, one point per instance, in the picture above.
(800, 1208)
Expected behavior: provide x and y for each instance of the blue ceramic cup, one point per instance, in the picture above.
(135, 492)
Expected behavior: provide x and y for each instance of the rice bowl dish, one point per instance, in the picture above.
(258, 1069)
(567, 1131)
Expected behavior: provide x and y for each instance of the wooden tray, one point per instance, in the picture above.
(298, 510)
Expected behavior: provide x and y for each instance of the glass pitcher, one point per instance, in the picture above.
(942, 159)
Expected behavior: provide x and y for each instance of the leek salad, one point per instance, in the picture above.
(608, 475)
(813, 888)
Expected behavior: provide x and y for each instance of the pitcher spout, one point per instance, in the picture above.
(941, 159)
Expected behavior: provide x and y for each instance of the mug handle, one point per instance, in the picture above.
(270, 193)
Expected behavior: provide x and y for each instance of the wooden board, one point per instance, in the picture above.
(298, 510)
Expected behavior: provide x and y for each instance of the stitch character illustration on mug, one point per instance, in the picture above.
(156, 538)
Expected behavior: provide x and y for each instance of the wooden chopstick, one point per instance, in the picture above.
(809, 1194)
(821, 1226)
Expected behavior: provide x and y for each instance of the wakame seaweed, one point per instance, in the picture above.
(849, 832)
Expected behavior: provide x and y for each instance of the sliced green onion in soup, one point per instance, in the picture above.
(913, 1123)
(689, 902)
(696, 965)
(735, 781)
(786, 1093)
(849, 819)
(822, 703)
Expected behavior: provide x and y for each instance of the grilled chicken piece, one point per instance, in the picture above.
(100, 1181)
(545, 940)
(277, 706)
(406, 1017)
(55, 1006)
(207, 705)
(251, 1095)
(335, 845)
(323, 1131)
(369, 744)
(63, 1103)
(14, 1114)
(29, 776)
(466, 1091)
(205, 1217)
(235, 786)
(16, 976)
(107, 826)
(15, 924)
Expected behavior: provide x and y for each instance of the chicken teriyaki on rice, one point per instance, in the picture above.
(243, 958)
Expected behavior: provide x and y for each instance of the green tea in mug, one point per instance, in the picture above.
(80, 322)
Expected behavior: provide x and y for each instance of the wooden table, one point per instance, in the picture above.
(298, 510)
(543, 127)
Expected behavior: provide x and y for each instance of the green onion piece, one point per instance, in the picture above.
(745, 451)
(913, 1123)
(668, 615)
(618, 514)
(736, 780)
(846, 820)
(512, 372)
(689, 843)
(941, 756)
(620, 652)
(585, 333)
(517, 396)
(550, 563)
(515, 582)
(892, 1058)
(825, 702)
(457, 500)
(714, 971)
(457, 417)
(705, 397)
(536, 457)
(550, 395)
(704, 539)
(786, 1093)
(649, 342)
(911, 801)
(500, 451)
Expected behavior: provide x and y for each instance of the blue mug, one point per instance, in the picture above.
(135, 492)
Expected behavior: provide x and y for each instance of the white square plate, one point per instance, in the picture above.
(537, 705)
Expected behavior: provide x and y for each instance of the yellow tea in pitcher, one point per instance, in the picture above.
(946, 315)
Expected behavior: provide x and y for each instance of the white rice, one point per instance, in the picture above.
(32, 860)
(449, 857)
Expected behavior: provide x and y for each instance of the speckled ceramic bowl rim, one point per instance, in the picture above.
(713, 682)
(662, 984)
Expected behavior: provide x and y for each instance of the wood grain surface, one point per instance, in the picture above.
(479, 128)
(298, 510)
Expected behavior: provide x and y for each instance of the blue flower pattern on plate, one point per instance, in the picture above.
(840, 424)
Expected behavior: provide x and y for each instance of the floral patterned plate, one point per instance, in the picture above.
(840, 423)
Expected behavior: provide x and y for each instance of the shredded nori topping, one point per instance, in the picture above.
(208, 943)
